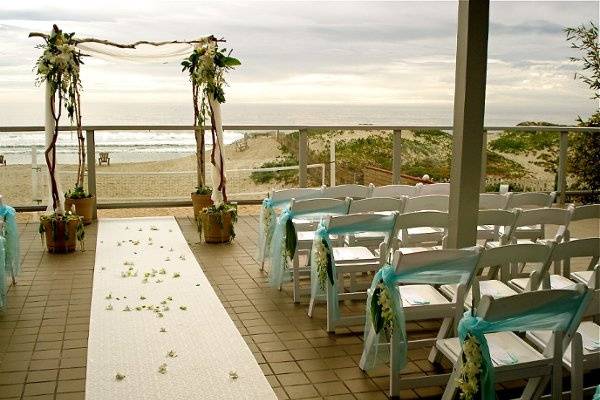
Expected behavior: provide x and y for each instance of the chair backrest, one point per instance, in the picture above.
(520, 255)
(577, 248)
(438, 202)
(319, 206)
(589, 211)
(394, 191)
(527, 200)
(376, 204)
(504, 219)
(546, 216)
(1, 158)
(491, 201)
(353, 191)
(103, 155)
(434, 188)
(366, 222)
(295, 193)
(502, 308)
(402, 261)
(418, 219)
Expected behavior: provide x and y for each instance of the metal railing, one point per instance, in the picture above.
(303, 151)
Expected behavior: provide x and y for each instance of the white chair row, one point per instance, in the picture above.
(434, 300)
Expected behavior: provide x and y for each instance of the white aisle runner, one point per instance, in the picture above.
(157, 328)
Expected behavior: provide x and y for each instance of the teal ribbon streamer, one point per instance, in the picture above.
(376, 347)
(597, 394)
(264, 235)
(557, 315)
(376, 223)
(10, 257)
(279, 272)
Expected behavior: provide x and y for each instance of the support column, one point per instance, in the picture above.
(483, 162)
(302, 158)
(91, 168)
(396, 156)
(469, 108)
(562, 167)
(200, 150)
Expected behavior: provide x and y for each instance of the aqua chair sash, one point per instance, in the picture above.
(266, 226)
(280, 250)
(9, 249)
(322, 243)
(558, 315)
(597, 393)
(447, 272)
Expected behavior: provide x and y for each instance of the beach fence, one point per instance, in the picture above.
(24, 186)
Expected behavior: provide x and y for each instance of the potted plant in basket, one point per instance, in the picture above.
(82, 201)
(201, 199)
(206, 67)
(58, 67)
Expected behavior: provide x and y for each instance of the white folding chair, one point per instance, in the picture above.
(434, 188)
(307, 214)
(512, 356)
(496, 225)
(493, 201)
(423, 301)
(578, 248)
(425, 203)
(421, 229)
(394, 191)
(534, 257)
(583, 353)
(530, 225)
(279, 200)
(373, 204)
(583, 213)
(526, 201)
(352, 190)
(353, 259)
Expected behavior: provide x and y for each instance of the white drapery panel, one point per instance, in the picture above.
(142, 53)
(217, 196)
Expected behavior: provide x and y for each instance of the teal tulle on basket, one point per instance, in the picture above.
(557, 315)
(322, 266)
(266, 227)
(283, 243)
(9, 249)
(389, 320)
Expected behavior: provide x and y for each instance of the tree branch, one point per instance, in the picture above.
(131, 45)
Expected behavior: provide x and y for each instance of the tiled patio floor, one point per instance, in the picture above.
(44, 329)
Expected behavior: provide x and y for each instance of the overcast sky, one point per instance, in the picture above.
(310, 52)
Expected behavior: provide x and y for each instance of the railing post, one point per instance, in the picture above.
(91, 166)
(331, 163)
(562, 167)
(302, 157)
(483, 162)
(396, 156)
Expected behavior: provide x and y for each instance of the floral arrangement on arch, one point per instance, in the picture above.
(206, 67)
(59, 67)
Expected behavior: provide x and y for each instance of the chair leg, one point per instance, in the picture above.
(394, 373)
(451, 387)
(296, 276)
(444, 333)
(331, 318)
(577, 367)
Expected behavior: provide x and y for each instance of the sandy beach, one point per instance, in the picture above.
(167, 180)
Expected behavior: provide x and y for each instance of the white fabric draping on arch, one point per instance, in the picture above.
(142, 53)
(217, 196)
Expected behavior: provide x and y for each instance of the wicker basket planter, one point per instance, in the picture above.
(61, 234)
(84, 207)
(217, 225)
(200, 202)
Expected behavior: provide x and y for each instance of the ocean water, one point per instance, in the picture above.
(135, 146)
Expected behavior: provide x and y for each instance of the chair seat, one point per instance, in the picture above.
(556, 282)
(421, 234)
(309, 236)
(494, 288)
(584, 277)
(353, 254)
(506, 349)
(420, 295)
(590, 335)
(409, 250)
